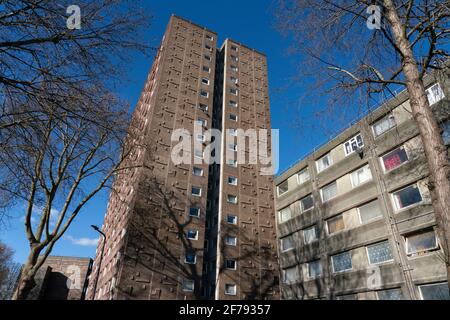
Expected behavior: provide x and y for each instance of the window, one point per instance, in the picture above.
(230, 240)
(234, 58)
(421, 242)
(230, 289)
(379, 252)
(198, 153)
(287, 243)
(234, 80)
(303, 176)
(234, 48)
(232, 117)
(329, 191)
(234, 91)
(203, 107)
(335, 224)
(306, 203)
(194, 212)
(435, 291)
(190, 258)
(283, 188)
(310, 235)
(324, 162)
(208, 47)
(206, 69)
(232, 180)
(209, 37)
(384, 124)
(231, 199)
(205, 81)
(233, 103)
(196, 191)
(231, 219)
(284, 214)
(232, 147)
(394, 159)
(196, 171)
(361, 175)
(204, 93)
(290, 275)
(354, 143)
(446, 132)
(369, 212)
(232, 132)
(192, 234)
(407, 197)
(342, 261)
(232, 163)
(434, 94)
(201, 138)
(314, 269)
(207, 57)
(202, 122)
(234, 68)
(188, 285)
(391, 294)
(230, 264)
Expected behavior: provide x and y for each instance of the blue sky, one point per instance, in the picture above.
(252, 24)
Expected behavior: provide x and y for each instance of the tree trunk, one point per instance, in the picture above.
(435, 150)
(26, 282)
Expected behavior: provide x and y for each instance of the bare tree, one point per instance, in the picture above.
(62, 130)
(349, 59)
(43, 51)
(57, 165)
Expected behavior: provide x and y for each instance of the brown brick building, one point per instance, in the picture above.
(62, 278)
(193, 230)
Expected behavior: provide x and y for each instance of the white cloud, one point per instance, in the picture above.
(86, 242)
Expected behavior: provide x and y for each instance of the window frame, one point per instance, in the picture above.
(234, 115)
(345, 270)
(183, 287)
(352, 175)
(395, 201)
(235, 264)
(382, 262)
(280, 211)
(196, 195)
(206, 69)
(186, 261)
(302, 209)
(329, 184)
(196, 234)
(232, 195)
(235, 219)
(388, 116)
(205, 81)
(199, 168)
(198, 212)
(430, 285)
(235, 180)
(349, 141)
(332, 218)
(227, 237)
(321, 269)
(392, 151)
(306, 169)
(278, 188)
(291, 236)
(330, 160)
(316, 238)
(228, 285)
(420, 253)
(372, 219)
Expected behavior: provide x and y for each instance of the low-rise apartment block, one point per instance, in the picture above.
(355, 219)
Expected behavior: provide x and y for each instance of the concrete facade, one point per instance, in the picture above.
(355, 219)
(162, 226)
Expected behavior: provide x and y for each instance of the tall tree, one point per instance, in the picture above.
(345, 47)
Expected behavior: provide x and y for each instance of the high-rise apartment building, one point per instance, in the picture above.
(355, 219)
(193, 230)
